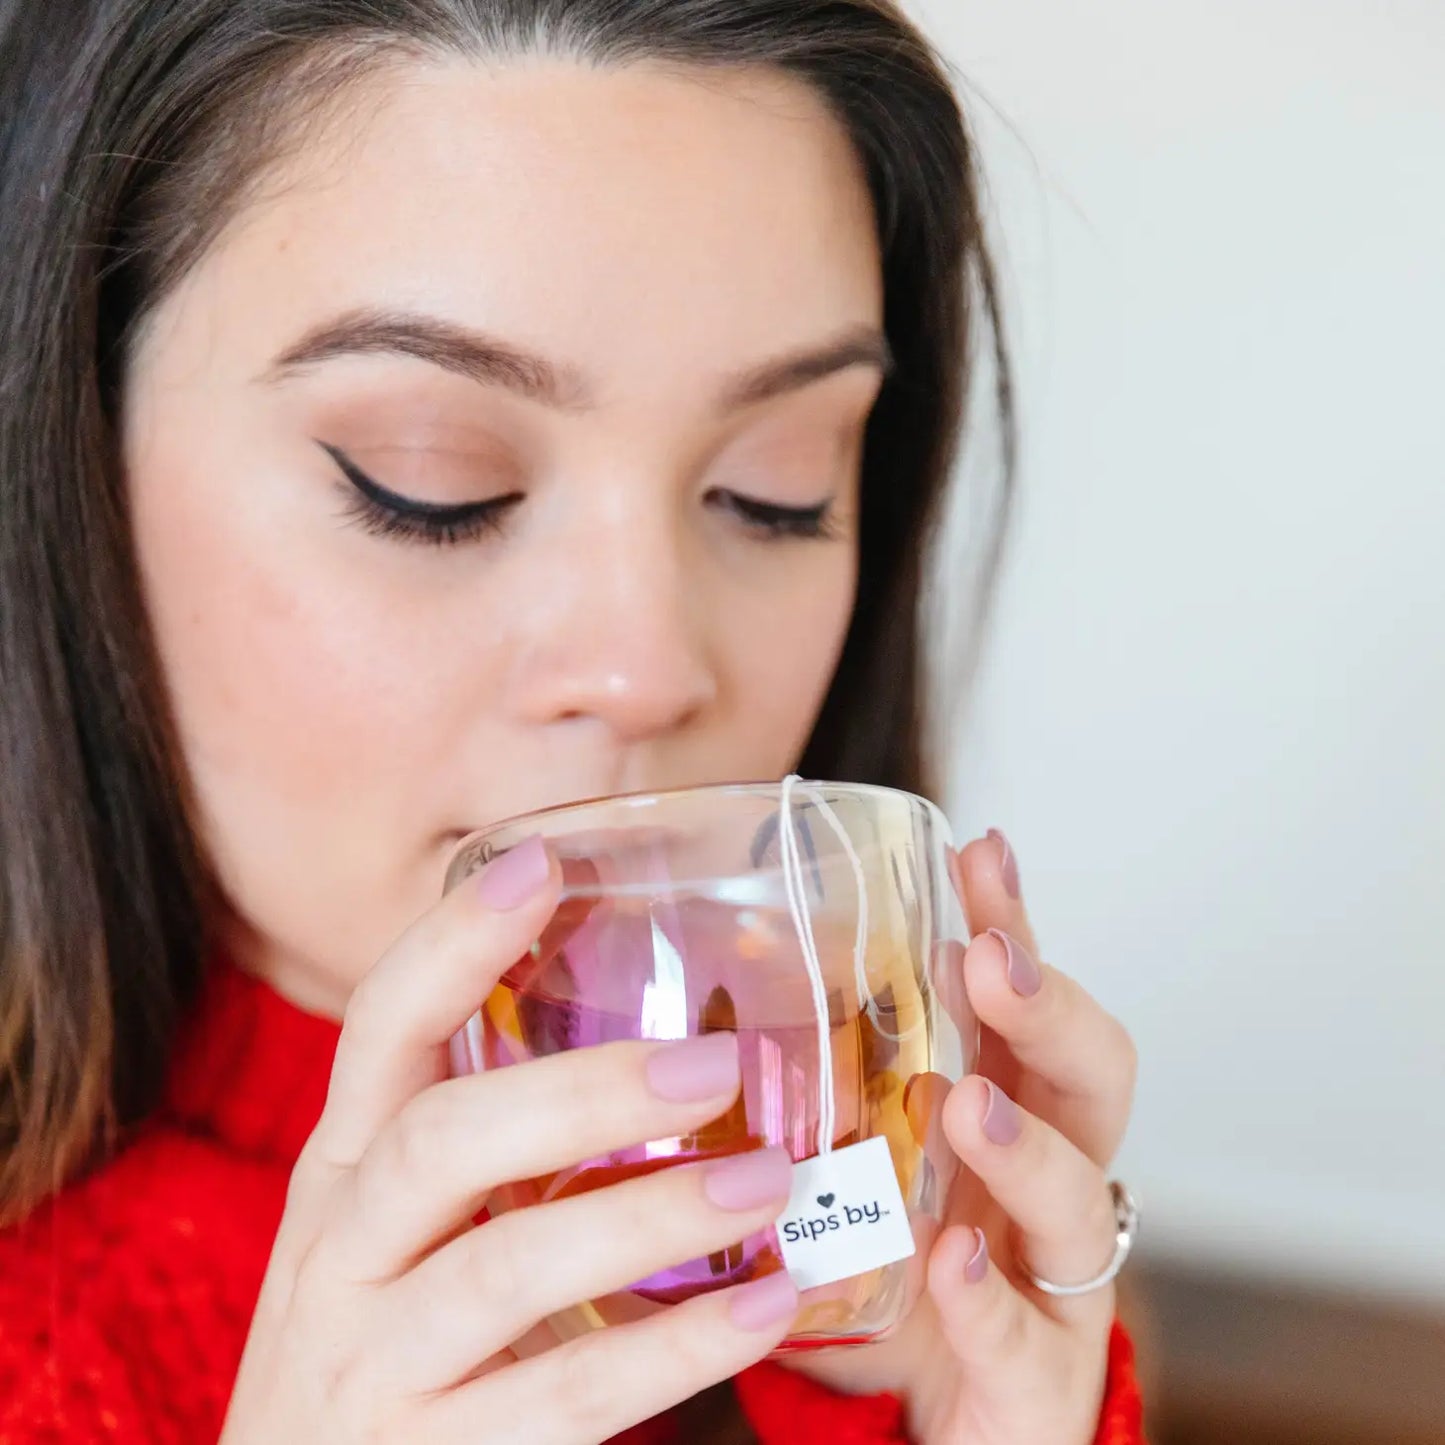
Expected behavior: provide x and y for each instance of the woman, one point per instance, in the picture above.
(416, 412)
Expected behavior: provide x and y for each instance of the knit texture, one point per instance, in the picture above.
(125, 1301)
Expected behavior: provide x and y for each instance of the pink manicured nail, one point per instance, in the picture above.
(763, 1303)
(1024, 975)
(1008, 866)
(687, 1072)
(1001, 1121)
(513, 877)
(975, 1271)
(749, 1181)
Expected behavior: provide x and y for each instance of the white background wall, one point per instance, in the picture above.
(1212, 713)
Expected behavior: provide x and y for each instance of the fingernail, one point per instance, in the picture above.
(749, 1181)
(1001, 1122)
(1007, 864)
(976, 1269)
(1024, 975)
(513, 877)
(763, 1303)
(691, 1070)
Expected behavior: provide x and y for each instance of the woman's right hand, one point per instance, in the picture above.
(387, 1316)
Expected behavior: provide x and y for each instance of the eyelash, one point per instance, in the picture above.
(385, 513)
(776, 523)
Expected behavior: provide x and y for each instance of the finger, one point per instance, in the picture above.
(596, 1387)
(987, 1323)
(1056, 1196)
(1033, 1377)
(432, 1168)
(987, 878)
(1056, 1029)
(426, 986)
(483, 1291)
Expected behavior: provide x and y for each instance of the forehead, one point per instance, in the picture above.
(615, 217)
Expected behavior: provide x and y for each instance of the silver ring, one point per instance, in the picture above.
(1126, 1230)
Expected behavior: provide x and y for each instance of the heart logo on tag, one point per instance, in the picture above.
(825, 1200)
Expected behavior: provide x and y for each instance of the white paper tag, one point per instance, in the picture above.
(845, 1215)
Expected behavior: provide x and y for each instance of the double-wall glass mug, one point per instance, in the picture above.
(816, 921)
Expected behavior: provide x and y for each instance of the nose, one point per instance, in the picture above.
(617, 637)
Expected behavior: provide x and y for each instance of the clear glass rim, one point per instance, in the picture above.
(598, 806)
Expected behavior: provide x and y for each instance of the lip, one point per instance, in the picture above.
(524, 810)
(453, 836)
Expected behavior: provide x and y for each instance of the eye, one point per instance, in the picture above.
(774, 521)
(385, 513)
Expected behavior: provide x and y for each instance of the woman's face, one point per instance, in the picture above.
(503, 451)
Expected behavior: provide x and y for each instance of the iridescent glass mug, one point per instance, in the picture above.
(817, 922)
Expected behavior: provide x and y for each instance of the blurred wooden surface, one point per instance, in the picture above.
(1236, 1361)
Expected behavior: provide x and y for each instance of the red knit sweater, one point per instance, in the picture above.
(125, 1301)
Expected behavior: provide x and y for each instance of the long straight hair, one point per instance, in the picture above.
(130, 131)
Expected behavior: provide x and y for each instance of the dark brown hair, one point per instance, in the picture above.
(129, 132)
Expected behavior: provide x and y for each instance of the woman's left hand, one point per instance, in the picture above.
(986, 1358)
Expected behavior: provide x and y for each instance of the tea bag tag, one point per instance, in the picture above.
(845, 1215)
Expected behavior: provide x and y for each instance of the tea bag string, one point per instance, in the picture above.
(795, 886)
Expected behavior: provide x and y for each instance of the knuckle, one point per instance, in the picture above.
(355, 1402)
(312, 1288)
(1066, 1002)
(1013, 1328)
(696, 1354)
(421, 1139)
(312, 1181)
(1126, 1056)
(1114, 1066)
(328, 1352)
(1003, 1326)
(1097, 1217)
(501, 1273)
(588, 1389)
(337, 1382)
(362, 1006)
(1037, 1150)
(667, 1210)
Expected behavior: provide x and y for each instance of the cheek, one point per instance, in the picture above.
(290, 681)
(267, 667)
(785, 644)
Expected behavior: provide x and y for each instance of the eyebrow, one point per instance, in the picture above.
(492, 362)
(861, 346)
(441, 343)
